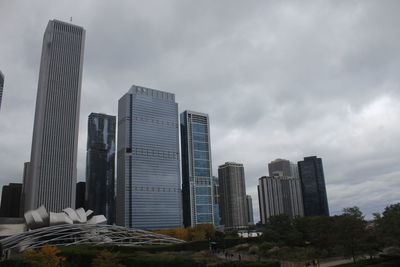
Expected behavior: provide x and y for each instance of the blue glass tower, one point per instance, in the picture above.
(197, 185)
(148, 176)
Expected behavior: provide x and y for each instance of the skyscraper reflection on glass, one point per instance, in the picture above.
(148, 176)
(197, 186)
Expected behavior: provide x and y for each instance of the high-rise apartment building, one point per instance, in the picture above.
(279, 195)
(313, 187)
(283, 167)
(10, 200)
(1, 86)
(250, 216)
(232, 194)
(52, 177)
(100, 165)
(215, 186)
(197, 186)
(148, 175)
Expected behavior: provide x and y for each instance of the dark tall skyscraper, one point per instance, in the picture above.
(52, 177)
(232, 195)
(10, 200)
(1, 86)
(149, 192)
(80, 195)
(250, 217)
(197, 186)
(312, 179)
(100, 165)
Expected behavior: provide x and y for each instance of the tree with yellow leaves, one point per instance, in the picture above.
(106, 259)
(44, 257)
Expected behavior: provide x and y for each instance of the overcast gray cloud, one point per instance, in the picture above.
(279, 79)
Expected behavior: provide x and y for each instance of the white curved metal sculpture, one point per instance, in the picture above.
(74, 234)
(72, 227)
(41, 218)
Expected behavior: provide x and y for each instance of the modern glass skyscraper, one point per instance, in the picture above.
(52, 177)
(250, 217)
(197, 185)
(313, 186)
(100, 165)
(232, 194)
(148, 175)
(1, 86)
(217, 215)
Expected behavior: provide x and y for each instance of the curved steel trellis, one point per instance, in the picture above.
(73, 234)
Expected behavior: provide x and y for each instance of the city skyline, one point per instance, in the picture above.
(262, 102)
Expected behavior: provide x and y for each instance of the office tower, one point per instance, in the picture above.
(80, 196)
(250, 216)
(25, 179)
(55, 132)
(312, 179)
(197, 190)
(148, 176)
(215, 186)
(1, 86)
(283, 167)
(10, 200)
(279, 195)
(232, 195)
(100, 165)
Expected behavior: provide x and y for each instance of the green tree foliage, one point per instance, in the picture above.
(388, 225)
(106, 259)
(350, 229)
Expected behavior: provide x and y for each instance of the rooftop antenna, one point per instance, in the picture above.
(70, 19)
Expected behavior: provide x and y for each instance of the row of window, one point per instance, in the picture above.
(202, 163)
(203, 208)
(203, 191)
(152, 153)
(201, 155)
(203, 200)
(200, 146)
(203, 218)
(199, 128)
(201, 137)
(202, 172)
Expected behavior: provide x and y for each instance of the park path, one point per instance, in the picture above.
(246, 257)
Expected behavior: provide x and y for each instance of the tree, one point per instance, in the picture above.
(350, 229)
(44, 257)
(107, 259)
(388, 224)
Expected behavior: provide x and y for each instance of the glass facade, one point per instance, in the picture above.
(197, 186)
(100, 165)
(148, 176)
(312, 179)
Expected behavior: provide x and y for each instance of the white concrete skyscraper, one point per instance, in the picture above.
(232, 194)
(1, 86)
(52, 177)
(148, 176)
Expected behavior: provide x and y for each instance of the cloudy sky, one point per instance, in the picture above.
(279, 79)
